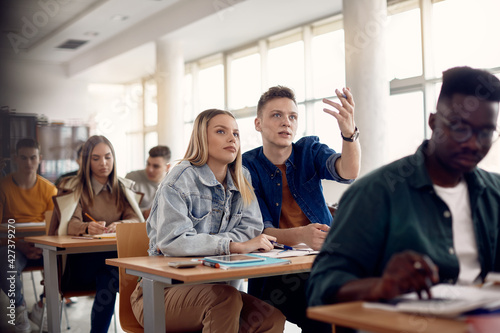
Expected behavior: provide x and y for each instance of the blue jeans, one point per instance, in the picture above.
(10, 278)
(89, 272)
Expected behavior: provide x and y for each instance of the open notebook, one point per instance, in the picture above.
(102, 236)
(298, 251)
(448, 301)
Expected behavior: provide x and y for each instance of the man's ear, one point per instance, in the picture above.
(432, 121)
(257, 124)
(168, 167)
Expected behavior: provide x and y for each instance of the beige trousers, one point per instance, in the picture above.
(212, 308)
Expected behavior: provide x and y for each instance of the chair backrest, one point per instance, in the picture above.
(132, 241)
(48, 218)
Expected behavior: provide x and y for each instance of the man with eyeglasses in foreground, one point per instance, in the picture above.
(432, 217)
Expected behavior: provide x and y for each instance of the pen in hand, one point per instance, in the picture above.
(281, 246)
(103, 224)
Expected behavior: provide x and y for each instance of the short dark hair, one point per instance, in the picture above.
(470, 81)
(160, 151)
(272, 93)
(27, 143)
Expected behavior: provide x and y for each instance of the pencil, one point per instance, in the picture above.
(90, 217)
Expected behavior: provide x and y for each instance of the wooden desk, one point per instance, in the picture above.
(52, 247)
(23, 229)
(354, 315)
(156, 275)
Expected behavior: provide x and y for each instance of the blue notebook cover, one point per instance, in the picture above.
(267, 261)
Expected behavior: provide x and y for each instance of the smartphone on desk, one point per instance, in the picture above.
(184, 264)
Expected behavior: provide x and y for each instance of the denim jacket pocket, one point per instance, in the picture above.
(204, 218)
(234, 221)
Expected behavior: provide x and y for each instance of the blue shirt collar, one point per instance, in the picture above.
(272, 169)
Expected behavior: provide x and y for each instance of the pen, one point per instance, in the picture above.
(90, 217)
(211, 264)
(93, 219)
(281, 246)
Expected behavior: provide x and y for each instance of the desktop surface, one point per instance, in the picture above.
(354, 315)
(158, 265)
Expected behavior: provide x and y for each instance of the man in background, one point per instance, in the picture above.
(147, 180)
(72, 173)
(25, 196)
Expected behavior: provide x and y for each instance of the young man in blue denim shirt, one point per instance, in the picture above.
(286, 177)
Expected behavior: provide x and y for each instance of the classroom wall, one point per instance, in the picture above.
(43, 89)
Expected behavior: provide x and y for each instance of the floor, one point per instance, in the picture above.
(78, 313)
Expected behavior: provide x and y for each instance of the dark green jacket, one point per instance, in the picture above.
(394, 209)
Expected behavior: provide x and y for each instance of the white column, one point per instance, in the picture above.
(169, 79)
(365, 23)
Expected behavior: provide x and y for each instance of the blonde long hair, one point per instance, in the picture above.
(84, 176)
(197, 153)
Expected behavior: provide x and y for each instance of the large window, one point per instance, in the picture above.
(466, 33)
(405, 111)
(311, 60)
(328, 64)
(286, 67)
(211, 88)
(404, 45)
(244, 81)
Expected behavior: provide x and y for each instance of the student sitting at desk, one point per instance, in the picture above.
(427, 218)
(93, 202)
(287, 177)
(206, 206)
(25, 196)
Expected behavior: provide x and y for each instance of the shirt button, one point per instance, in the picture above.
(278, 184)
(277, 204)
(451, 251)
(447, 213)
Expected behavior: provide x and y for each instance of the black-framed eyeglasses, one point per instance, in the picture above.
(461, 132)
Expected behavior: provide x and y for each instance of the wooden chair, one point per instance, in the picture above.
(132, 241)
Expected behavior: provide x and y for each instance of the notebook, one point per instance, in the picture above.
(448, 301)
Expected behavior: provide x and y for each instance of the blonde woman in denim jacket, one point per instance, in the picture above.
(206, 206)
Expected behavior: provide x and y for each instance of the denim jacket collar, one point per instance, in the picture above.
(207, 178)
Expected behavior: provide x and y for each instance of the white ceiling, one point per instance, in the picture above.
(122, 50)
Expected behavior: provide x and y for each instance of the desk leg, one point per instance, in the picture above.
(51, 290)
(154, 310)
